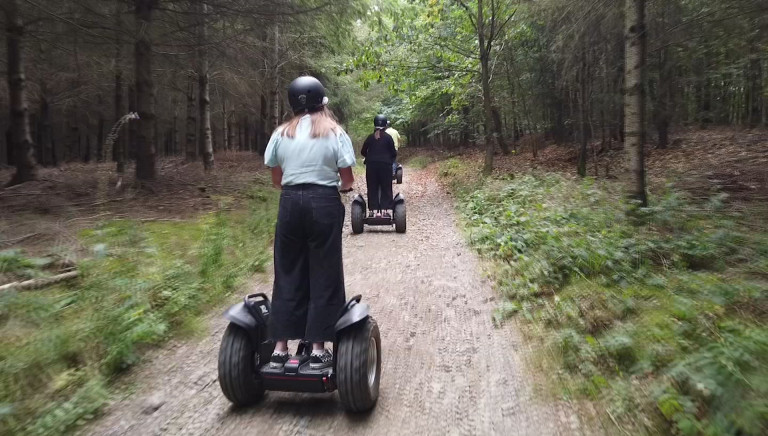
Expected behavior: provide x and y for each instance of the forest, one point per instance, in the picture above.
(608, 161)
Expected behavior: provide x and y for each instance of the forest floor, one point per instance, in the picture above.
(44, 217)
(702, 162)
(659, 317)
(448, 367)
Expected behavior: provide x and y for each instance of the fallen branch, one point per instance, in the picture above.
(19, 239)
(39, 283)
(89, 217)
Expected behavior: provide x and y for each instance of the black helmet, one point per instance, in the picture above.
(306, 94)
(380, 122)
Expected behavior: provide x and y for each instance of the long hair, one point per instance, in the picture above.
(323, 124)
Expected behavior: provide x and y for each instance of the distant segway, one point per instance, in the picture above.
(360, 219)
(398, 175)
(245, 373)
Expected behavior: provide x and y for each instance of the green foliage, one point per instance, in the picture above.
(419, 162)
(146, 280)
(14, 265)
(661, 316)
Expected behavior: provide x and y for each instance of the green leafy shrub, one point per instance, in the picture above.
(60, 347)
(662, 314)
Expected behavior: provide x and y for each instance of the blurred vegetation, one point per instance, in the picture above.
(662, 316)
(144, 281)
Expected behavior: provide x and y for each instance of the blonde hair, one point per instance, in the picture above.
(323, 124)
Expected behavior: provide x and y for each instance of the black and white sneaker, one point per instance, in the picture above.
(278, 360)
(320, 360)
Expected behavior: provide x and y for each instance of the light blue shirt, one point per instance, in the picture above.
(304, 159)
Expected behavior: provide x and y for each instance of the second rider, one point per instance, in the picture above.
(380, 154)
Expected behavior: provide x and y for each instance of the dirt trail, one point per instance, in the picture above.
(446, 369)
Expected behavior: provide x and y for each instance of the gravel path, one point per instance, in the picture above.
(446, 369)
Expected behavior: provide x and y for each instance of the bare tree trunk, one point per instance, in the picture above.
(634, 99)
(100, 134)
(175, 127)
(664, 105)
(46, 134)
(498, 130)
(119, 152)
(755, 83)
(224, 127)
(582, 162)
(485, 82)
(276, 80)
(145, 92)
(133, 128)
(231, 130)
(206, 142)
(21, 137)
(263, 124)
(191, 146)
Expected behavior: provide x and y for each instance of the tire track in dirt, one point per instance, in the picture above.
(446, 369)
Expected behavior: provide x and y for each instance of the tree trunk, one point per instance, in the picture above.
(755, 84)
(133, 128)
(100, 134)
(46, 134)
(231, 131)
(263, 124)
(121, 140)
(21, 137)
(582, 161)
(224, 127)
(664, 104)
(206, 142)
(175, 127)
(485, 82)
(145, 92)
(634, 100)
(191, 145)
(276, 80)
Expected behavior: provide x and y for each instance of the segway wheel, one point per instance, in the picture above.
(399, 215)
(238, 371)
(358, 215)
(359, 366)
(399, 176)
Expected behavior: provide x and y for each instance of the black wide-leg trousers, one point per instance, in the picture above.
(308, 293)
(378, 177)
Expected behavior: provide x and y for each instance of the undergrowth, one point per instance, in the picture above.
(661, 316)
(419, 162)
(60, 347)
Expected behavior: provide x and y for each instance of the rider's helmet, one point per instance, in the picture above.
(306, 94)
(380, 122)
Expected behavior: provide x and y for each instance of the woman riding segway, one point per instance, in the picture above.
(308, 155)
(379, 152)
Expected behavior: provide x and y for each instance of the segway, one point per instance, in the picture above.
(245, 373)
(397, 176)
(359, 218)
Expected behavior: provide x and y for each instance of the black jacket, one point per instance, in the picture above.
(379, 150)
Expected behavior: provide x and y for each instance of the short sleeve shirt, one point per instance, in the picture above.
(304, 159)
(395, 136)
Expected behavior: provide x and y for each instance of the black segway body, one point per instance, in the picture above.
(397, 176)
(359, 218)
(245, 373)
